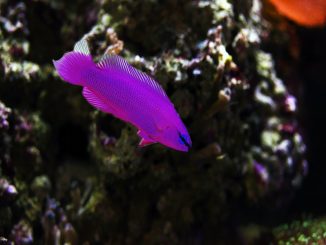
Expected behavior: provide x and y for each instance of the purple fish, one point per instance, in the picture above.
(114, 86)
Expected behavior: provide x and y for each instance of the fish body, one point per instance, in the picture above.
(115, 87)
(305, 12)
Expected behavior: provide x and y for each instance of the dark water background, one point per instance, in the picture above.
(311, 197)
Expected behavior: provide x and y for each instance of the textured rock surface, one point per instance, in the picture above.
(76, 174)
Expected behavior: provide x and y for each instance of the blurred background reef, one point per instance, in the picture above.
(243, 78)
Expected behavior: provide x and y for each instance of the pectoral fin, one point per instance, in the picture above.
(145, 139)
(143, 142)
(160, 125)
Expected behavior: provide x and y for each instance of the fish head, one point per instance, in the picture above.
(175, 138)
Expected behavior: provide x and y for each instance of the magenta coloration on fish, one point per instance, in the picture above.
(115, 87)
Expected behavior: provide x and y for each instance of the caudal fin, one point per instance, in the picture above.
(72, 66)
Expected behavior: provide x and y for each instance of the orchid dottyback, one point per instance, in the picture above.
(113, 86)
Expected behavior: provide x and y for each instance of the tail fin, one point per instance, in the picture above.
(72, 66)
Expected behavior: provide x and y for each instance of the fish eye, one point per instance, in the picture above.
(183, 139)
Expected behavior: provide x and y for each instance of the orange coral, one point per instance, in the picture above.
(304, 12)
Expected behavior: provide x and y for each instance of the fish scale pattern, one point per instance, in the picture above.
(121, 64)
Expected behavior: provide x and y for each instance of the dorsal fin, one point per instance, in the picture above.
(82, 47)
(118, 62)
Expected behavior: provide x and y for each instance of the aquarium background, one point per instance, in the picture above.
(248, 83)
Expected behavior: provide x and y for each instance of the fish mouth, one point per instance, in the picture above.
(184, 141)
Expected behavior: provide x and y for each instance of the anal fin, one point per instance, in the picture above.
(97, 102)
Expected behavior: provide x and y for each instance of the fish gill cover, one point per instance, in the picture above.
(72, 174)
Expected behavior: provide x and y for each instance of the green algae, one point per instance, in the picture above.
(305, 231)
